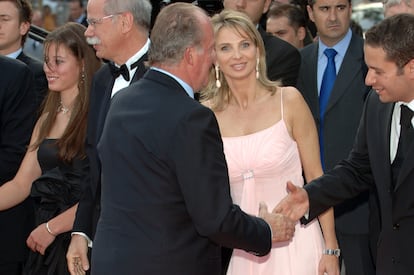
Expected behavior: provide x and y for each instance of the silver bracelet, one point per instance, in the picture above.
(50, 231)
(335, 252)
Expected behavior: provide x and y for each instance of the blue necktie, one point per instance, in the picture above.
(328, 81)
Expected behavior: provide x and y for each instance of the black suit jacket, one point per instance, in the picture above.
(16, 125)
(342, 118)
(100, 99)
(282, 59)
(166, 205)
(369, 164)
(40, 86)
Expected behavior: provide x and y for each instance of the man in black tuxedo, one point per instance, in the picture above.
(338, 125)
(282, 59)
(166, 205)
(16, 125)
(121, 38)
(383, 151)
(15, 30)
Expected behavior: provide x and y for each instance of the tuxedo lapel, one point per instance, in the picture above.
(106, 98)
(141, 68)
(100, 104)
(383, 139)
(407, 166)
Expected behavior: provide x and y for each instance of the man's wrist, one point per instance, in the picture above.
(88, 240)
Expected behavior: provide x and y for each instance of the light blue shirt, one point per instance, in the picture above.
(15, 54)
(185, 86)
(341, 47)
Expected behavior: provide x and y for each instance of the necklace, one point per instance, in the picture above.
(63, 109)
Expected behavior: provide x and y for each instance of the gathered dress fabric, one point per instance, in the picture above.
(259, 166)
(56, 190)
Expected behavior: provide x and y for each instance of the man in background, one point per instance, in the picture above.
(77, 12)
(392, 7)
(288, 22)
(16, 16)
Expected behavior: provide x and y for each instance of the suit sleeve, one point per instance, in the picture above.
(16, 118)
(84, 214)
(347, 179)
(202, 174)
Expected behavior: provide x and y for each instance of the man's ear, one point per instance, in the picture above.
(301, 33)
(189, 55)
(310, 12)
(410, 67)
(127, 21)
(24, 28)
(266, 6)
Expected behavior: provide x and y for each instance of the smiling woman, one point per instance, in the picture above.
(268, 133)
(54, 164)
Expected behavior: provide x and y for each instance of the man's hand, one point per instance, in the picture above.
(295, 204)
(282, 227)
(77, 255)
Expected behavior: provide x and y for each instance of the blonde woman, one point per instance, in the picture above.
(269, 137)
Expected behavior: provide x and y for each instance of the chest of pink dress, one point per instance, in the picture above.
(259, 166)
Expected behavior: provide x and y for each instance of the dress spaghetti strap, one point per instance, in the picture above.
(281, 101)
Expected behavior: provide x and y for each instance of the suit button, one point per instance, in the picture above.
(396, 226)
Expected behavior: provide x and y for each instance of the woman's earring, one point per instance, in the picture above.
(83, 75)
(217, 69)
(257, 68)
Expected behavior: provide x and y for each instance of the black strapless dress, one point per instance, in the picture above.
(59, 188)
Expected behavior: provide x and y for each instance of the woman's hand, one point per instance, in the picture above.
(40, 239)
(329, 264)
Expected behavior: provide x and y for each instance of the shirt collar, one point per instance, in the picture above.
(15, 54)
(137, 56)
(183, 84)
(340, 47)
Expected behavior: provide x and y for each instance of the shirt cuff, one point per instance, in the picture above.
(85, 236)
(306, 215)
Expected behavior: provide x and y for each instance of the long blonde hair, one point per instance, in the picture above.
(219, 97)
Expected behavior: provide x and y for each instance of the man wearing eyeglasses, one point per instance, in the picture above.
(118, 30)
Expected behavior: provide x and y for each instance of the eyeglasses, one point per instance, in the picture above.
(93, 22)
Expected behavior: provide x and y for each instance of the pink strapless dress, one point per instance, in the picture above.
(259, 166)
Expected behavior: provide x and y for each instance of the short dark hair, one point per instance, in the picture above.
(295, 15)
(395, 35)
(312, 2)
(78, 1)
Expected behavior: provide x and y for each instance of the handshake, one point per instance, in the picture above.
(284, 216)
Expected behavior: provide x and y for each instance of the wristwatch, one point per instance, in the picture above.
(335, 252)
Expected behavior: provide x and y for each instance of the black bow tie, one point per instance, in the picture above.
(123, 70)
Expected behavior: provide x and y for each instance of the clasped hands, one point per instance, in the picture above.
(284, 216)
